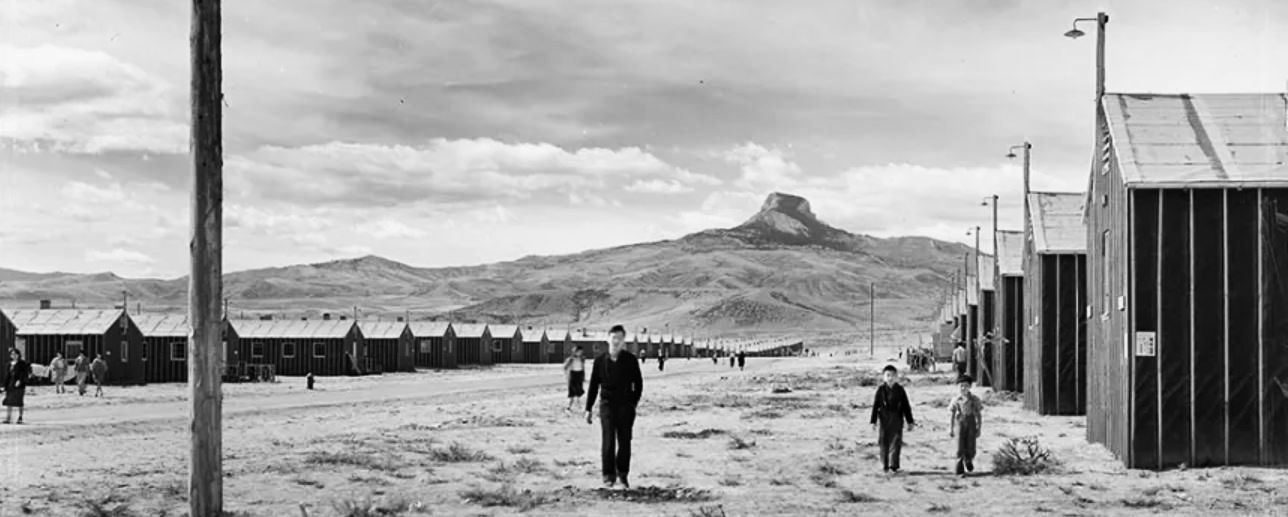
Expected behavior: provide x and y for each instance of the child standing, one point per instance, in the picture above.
(966, 411)
(889, 411)
(575, 372)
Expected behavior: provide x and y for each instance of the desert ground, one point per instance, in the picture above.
(788, 436)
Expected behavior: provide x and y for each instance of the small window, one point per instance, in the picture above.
(256, 350)
(426, 346)
(319, 350)
(178, 351)
(288, 350)
(496, 345)
(73, 348)
(125, 351)
(143, 353)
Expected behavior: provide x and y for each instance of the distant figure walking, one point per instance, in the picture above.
(967, 417)
(575, 372)
(890, 409)
(618, 374)
(15, 385)
(99, 370)
(661, 362)
(742, 360)
(715, 360)
(58, 372)
(959, 358)
(733, 358)
(82, 372)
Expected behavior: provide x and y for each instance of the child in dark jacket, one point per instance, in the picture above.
(890, 409)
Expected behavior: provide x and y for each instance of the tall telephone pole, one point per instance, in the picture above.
(205, 281)
(872, 320)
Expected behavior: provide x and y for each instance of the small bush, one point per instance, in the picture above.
(529, 466)
(737, 444)
(708, 511)
(505, 496)
(688, 435)
(459, 453)
(731, 481)
(1023, 456)
(368, 507)
(108, 506)
(1144, 503)
(850, 496)
(520, 449)
(939, 508)
(767, 414)
(367, 461)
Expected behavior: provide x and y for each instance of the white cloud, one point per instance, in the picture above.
(444, 170)
(118, 256)
(763, 169)
(657, 186)
(66, 99)
(391, 229)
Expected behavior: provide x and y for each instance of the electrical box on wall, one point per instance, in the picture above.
(1122, 303)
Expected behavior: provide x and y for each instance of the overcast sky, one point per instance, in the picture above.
(456, 132)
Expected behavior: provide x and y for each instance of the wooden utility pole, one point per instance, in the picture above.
(872, 320)
(205, 281)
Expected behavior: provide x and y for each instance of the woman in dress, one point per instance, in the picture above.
(15, 385)
(575, 372)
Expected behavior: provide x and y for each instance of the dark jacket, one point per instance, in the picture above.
(20, 371)
(891, 405)
(621, 381)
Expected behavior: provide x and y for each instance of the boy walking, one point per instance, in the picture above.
(618, 374)
(959, 358)
(82, 372)
(966, 412)
(889, 411)
(99, 370)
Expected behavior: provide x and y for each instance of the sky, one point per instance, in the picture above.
(466, 132)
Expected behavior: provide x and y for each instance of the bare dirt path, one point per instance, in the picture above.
(424, 388)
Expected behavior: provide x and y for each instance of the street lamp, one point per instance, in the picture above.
(1101, 20)
(1027, 149)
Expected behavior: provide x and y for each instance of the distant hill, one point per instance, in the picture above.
(781, 270)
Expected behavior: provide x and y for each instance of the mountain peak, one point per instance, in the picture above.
(787, 219)
(788, 204)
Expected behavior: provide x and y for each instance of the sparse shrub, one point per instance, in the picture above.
(355, 459)
(850, 496)
(731, 481)
(108, 506)
(939, 508)
(1023, 456)
(767, 414)
(1144, 503)
(519, 449)
(529, 466)
(997, 398)
(737, 444)
(708, 511)
(655, 494)
(368, 507)
(689, 435)
(459, 453)
(505, 496)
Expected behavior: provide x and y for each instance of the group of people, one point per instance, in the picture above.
(18, 374)
(919, 359)
(891, 409)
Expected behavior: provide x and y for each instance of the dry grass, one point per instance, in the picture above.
(1023, 456)
(368, 507)
(688, 435)
(737, 444)
(708, 511)
(850, 497)
(519, 450)
(939, 508)
(459, 453)
(105, 506)
(506, 496)
(353, 459)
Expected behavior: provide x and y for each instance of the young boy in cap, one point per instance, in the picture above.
(967, 418)
(889, 411)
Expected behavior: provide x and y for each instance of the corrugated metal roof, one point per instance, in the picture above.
(557, 334)
(429, 328)
(985, 268)
(533, 335)
(1010, 246)
(1199, 139)
(63, 321)
(162, 325)
(972, 294)
(1058, 222)
(506, 331)
(292, 329)
(590, 336)
(469, 330)
(382, 329)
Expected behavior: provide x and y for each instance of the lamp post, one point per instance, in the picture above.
(1101, 20)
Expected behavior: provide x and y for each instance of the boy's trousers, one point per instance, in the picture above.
(967, 434)
(890, 438)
